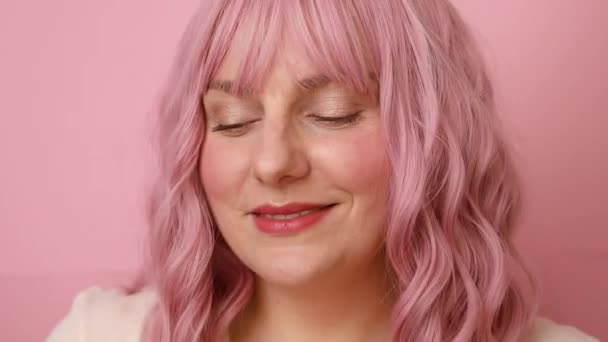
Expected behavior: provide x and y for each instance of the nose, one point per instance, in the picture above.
(280, 156)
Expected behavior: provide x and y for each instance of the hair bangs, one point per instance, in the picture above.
(332, 35)
(252, 31)
(335, 38)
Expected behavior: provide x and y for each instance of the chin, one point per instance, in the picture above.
(290, 269)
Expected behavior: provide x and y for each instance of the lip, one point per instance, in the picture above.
(290, 226)
(287, 209)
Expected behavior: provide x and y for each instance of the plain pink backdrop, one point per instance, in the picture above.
(77, 79)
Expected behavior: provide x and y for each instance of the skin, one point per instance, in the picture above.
(327, 283)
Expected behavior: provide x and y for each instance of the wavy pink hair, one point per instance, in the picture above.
(454, 194)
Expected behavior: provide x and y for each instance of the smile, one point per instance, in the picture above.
(281, 224)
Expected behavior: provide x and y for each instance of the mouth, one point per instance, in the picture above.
(291, 223)
(293, 215)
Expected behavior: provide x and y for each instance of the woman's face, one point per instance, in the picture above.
(287, 154)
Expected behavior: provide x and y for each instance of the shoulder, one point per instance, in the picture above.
(99, 314)
(546, 330)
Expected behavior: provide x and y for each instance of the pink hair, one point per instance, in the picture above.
(454, 193)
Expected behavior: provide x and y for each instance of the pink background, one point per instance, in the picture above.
(78, 77)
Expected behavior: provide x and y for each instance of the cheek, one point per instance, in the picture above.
(358, 167)
(357, 163)
(222, 170)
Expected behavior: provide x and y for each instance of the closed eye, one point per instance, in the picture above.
(338, 120)
(333, 121)
(231, 127)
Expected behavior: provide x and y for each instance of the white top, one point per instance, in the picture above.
(103, 315)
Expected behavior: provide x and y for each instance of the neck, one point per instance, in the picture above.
(347, 305)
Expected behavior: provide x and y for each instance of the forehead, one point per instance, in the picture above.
(288, 67)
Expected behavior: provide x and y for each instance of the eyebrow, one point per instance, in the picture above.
(314, 82)
(307, 84)
(226, 87)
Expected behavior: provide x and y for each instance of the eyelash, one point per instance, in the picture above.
(338, 121)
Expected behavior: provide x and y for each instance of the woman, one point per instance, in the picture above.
(329, 171)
